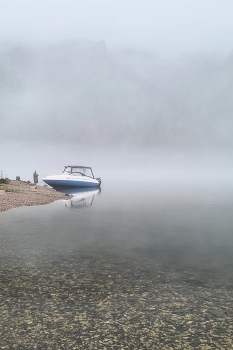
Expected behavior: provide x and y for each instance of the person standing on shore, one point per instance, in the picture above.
(35, 177)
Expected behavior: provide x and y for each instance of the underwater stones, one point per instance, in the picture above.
(84, 300)
(218, 312)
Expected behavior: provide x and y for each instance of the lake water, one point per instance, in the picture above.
(132, 266)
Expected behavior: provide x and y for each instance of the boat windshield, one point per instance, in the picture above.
(78, 170)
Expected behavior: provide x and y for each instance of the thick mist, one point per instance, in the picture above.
(144, 85)
(78, 102)
(79, 93)
(162, 26)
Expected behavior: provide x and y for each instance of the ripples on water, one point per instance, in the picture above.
(129, 266)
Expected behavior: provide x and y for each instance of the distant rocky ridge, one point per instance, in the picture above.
(79, 92)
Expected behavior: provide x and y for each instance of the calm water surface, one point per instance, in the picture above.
(171, 217)
(123, 241)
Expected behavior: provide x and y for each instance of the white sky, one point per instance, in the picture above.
(169, 27)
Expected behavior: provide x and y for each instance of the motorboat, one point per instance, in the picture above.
(73, 176)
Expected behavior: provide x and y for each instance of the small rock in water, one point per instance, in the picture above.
(218, 312)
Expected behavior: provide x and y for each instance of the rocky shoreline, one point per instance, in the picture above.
(17, 193)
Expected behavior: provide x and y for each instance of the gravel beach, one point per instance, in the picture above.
(19, 193)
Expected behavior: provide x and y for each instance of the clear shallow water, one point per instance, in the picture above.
(127, 241)
(184, 217)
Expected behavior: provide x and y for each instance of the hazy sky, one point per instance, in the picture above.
(168, 27)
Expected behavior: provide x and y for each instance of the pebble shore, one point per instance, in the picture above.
(19, 193)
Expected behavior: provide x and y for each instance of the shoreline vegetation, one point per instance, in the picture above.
(18, 193)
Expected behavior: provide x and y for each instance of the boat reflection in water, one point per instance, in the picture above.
(82, 197)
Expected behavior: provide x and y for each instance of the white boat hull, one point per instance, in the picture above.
(71, 181)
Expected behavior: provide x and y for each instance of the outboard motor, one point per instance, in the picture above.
(99, 180)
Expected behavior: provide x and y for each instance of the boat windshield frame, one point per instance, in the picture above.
(78, 169)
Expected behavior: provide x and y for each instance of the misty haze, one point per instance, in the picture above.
(78, 97)
(142, 93)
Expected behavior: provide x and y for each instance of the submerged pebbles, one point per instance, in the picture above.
(110, 298)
